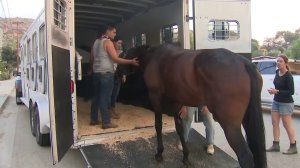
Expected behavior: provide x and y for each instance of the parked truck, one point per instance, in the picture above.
(51, 69)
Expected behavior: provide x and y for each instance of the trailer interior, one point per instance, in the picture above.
(138, 22)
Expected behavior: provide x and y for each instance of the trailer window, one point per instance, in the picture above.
(42, 47)
(28, 51)
(22, 54)
(45, 79)
(32, 74)
(34, 47)
(27, 73)
(139, 39)
(169, 34)
(60, 14)
(223, 30)
(40, 74)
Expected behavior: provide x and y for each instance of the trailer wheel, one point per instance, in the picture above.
(41, 139)
(32, 119)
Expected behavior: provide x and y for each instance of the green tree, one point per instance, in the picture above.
(297, 33)
(294, 50)
(269, 44)
(4, 74)
(285, 38)
(9, 55)
(254, 45)
(255, 51)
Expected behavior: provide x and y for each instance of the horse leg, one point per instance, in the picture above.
(237, 142)
(158, 128)
(156, 103)
(180, 132)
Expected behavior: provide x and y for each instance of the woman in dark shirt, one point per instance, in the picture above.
(283, 105)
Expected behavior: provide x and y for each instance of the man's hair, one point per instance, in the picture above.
(110, 28)
(103, 30)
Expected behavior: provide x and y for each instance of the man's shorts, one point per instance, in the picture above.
(282, 108)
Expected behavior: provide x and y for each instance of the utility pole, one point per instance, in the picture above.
(17, 49)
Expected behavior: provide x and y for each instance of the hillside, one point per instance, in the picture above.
(13, 28)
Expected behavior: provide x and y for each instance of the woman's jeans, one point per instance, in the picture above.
(208, 121)
(103, 85)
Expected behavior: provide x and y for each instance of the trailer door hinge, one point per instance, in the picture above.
(71, 41)
(188, 18)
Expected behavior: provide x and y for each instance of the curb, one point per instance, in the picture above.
(3, 101)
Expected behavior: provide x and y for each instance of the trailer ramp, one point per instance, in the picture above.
(140, 154)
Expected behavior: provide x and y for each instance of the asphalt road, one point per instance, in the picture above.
(21, 149)
(275, 160)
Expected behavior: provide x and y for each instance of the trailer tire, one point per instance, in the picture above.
(18, 100)
(32, 119)
(41, 139)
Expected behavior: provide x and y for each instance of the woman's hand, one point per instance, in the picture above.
(273, 91)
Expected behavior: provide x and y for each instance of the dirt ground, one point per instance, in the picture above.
(131, 117)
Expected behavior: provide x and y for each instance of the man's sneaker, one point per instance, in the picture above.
(110, 125)
(210, 149)
(94, 122)
(113, 114)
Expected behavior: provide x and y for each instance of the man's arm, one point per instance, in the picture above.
(109, 46)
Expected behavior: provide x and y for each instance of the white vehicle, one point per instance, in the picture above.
(50, 69)
(267, 68)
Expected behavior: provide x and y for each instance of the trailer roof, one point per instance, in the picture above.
(97, 14)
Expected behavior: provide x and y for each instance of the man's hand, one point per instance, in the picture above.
(135, 62)
(124, 78)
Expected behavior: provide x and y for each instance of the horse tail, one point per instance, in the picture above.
(253, 120)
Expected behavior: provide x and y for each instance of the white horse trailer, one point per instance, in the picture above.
(51, 69)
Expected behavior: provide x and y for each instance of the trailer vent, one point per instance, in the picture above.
(60, 14)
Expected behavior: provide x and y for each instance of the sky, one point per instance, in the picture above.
(267, 16)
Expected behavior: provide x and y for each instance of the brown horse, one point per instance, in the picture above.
(226, 82)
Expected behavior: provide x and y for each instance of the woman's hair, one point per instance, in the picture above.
(285, 59)
(117, 38)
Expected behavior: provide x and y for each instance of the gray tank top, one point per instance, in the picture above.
(102, 61)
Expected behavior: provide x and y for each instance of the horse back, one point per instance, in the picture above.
(171, 73)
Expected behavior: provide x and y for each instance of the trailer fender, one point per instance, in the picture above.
(42, 105)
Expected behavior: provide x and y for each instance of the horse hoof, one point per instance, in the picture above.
(158, 158)
(187, 164)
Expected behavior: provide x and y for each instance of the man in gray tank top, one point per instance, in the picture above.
(103, 56)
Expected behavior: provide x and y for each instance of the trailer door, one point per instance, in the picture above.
(59, 30)
(223, 24)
